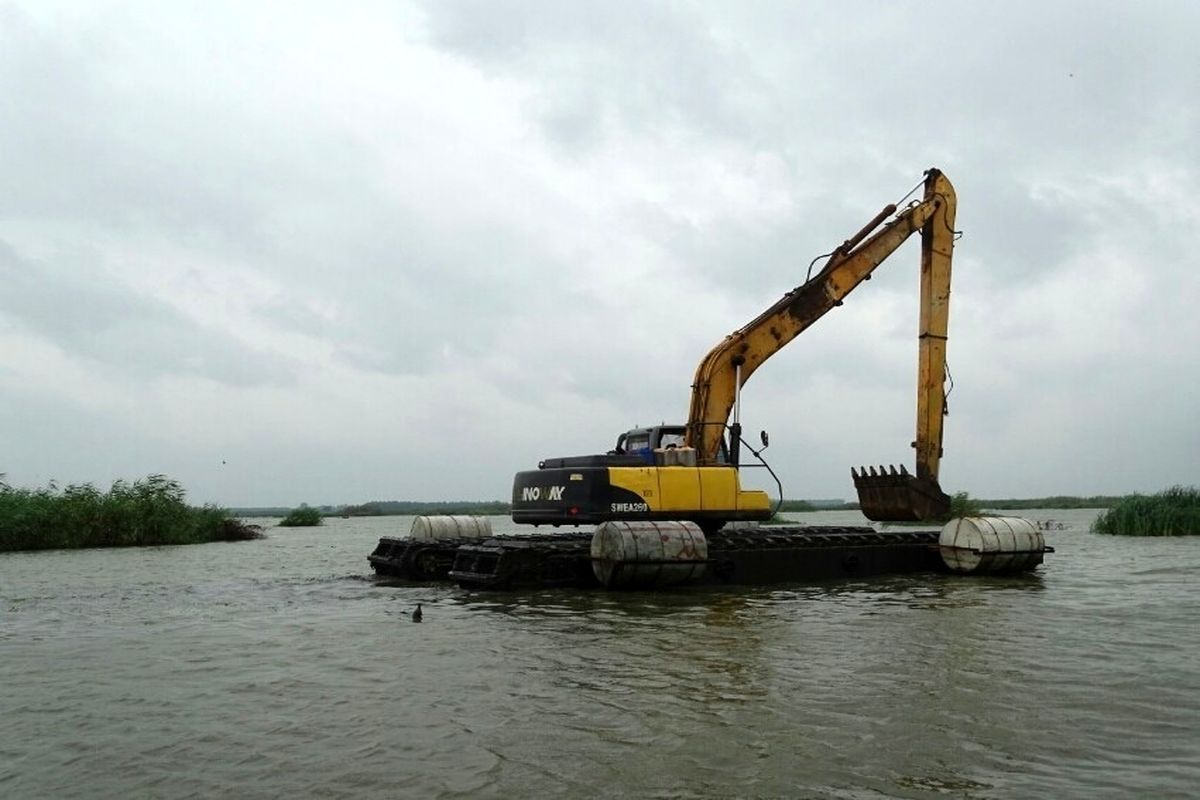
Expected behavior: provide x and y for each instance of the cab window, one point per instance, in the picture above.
(636, 442)
(671, 439)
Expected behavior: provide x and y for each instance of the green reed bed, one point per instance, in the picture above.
(1173, 512)
(146, 512)
(302, 517)
(963, 505)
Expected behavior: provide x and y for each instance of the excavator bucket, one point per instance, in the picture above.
(892, 495)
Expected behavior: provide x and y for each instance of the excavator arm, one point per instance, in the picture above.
(728, 366)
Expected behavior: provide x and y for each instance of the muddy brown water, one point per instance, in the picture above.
(280, 668)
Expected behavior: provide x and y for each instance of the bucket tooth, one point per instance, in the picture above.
(894, 495)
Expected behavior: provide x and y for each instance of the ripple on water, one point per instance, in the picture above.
(278, 667)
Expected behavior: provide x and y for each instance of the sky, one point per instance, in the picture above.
(334, 253)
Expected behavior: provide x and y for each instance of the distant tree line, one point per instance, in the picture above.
(1058, 501)
(381, 508)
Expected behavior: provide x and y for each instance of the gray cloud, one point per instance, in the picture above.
(315, 245)
(75, 304)
(645, 63)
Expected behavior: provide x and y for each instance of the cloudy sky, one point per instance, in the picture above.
(287, 253)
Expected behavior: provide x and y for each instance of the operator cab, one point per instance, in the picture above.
(642, 442)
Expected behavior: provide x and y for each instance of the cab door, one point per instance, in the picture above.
(718, 488)
(679, 488)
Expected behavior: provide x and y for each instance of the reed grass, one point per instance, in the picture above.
(1172, 512)
(963, 505)
(302, 517)
(145, 512)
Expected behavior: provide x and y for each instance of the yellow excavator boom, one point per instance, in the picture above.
(728, 366)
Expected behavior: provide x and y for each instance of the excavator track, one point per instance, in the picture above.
(506, 562)
(415, 560)
(772, 554)
(743, 556)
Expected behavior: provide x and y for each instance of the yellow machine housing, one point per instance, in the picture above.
(647, 476)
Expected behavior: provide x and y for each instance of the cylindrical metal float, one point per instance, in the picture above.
(991, 544)
(643, 555)
(437, 528)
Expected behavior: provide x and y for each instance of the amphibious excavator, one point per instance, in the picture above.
(690, 472)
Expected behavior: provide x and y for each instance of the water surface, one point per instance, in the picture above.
(281, 668)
